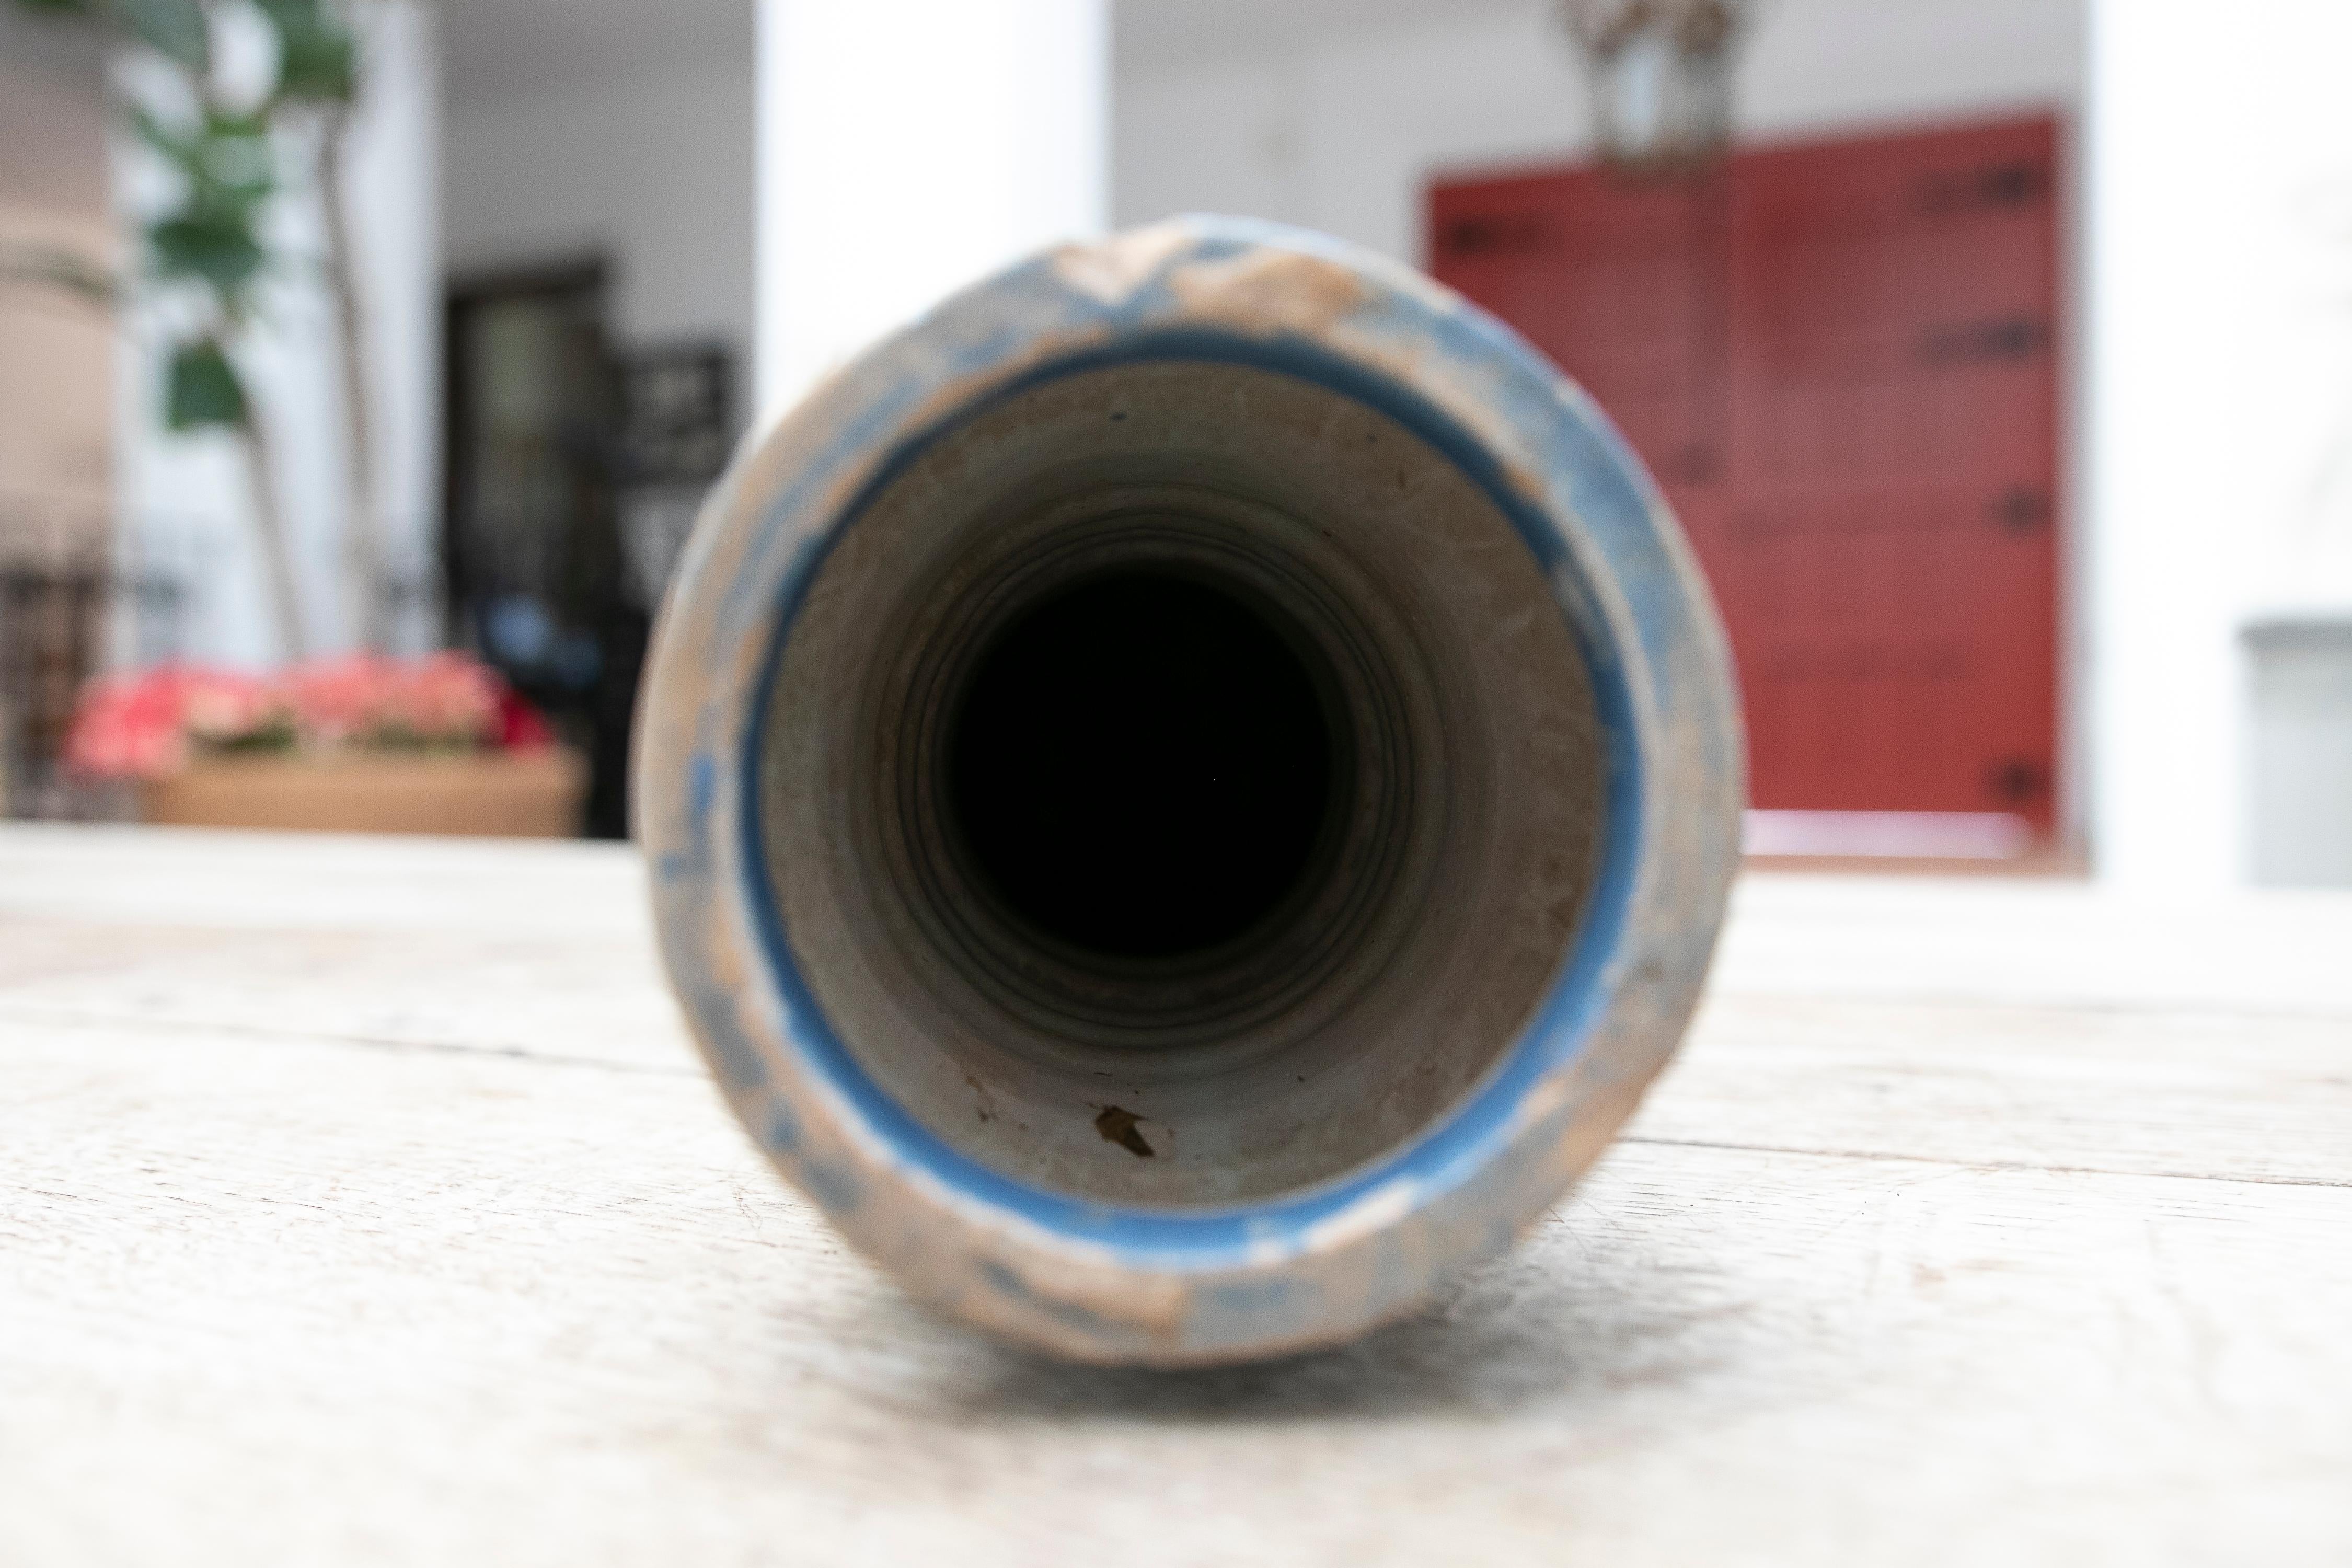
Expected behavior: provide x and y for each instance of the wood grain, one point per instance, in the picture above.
(363, 1202)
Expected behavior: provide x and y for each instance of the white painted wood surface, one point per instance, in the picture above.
(363, 1202)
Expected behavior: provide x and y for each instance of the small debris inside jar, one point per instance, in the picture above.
(1119, 1126)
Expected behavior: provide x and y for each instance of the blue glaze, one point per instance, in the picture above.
(1608, 498)
(738, 1057)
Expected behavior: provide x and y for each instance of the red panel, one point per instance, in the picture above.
(1839, 360)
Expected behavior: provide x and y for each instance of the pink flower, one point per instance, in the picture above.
(130, 726)
(219, 707)
(445, 698)
(447, 694)
(521, 726)
(144, 726)
(334, 700)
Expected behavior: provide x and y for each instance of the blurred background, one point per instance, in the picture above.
(1997, 355)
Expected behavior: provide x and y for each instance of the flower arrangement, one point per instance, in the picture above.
(150, 726)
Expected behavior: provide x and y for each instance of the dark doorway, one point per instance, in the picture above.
(537, 578)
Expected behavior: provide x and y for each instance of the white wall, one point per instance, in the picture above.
(652, 171)
(186, 494)
(2219, 164)
(1340, 125)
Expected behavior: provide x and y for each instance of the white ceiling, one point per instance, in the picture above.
(1161, 35)
(496, 48)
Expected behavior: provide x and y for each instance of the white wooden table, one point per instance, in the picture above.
(364, 1202)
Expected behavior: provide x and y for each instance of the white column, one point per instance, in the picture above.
(2217, 169)
(396, 182)
(908, 147)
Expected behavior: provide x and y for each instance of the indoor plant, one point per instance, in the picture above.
(231, 145)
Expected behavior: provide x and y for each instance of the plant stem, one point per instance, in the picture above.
(269, 518)
(363, 548)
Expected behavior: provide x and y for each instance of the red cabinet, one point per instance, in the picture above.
(1838, 358)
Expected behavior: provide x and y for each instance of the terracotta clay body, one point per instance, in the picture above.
(1189, 792)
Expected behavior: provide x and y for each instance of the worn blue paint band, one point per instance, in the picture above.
(1476, 1130)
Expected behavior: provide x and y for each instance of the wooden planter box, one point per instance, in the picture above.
(514, 795)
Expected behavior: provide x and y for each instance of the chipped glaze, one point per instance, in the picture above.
(1091, 1280)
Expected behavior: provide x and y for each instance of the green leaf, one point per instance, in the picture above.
(204, 389)
(232, 153)
(217, 245)
(174, 28)
(317, 52)
(183, 149)
(235, 170)
(222, 125)
(60, 7)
